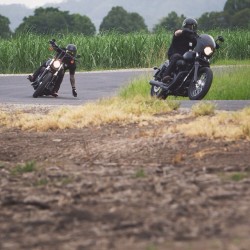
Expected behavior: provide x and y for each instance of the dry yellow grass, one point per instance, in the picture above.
(113, 110)
(202, 121)
(228, 125)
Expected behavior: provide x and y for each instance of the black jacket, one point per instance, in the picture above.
(69, 64)
(180, 44)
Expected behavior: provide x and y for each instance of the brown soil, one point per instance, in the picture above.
(120, 187)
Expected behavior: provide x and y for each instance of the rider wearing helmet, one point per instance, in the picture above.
(70, 49)
(70, 65)
(183, 40)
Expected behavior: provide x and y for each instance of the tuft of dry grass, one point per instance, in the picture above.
(228, 125)
(112, 110)
(140, 110)
(203, 108)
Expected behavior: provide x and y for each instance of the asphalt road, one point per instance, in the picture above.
(15, 89)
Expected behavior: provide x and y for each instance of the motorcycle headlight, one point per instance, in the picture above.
(56, 64)
(208, 51)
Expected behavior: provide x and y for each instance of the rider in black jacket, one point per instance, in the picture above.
(183, 40)
(70, 49)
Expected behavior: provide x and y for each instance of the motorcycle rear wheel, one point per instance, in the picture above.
(40, 89)
(198, 90)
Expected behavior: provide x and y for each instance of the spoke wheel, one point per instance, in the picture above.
(197, 90)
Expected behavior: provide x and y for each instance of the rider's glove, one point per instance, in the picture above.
(74, 93)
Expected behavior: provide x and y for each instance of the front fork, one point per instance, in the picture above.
(196, 68)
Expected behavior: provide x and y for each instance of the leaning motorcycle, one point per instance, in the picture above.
(46, 80)
(192, 76)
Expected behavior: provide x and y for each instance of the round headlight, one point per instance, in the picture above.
(56, 64)
(208, 51)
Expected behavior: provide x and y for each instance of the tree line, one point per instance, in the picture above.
(51, 20)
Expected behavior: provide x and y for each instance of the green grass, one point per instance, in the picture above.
(140, 174)
(232, 62)
(231, 83)
(26, 168)
(24, 53)
(239, 176)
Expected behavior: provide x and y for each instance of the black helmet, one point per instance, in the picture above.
(190, 23)
(71, 49)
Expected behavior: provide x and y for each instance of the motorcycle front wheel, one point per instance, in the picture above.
(198, 90)
(158, 92)
(42, 84)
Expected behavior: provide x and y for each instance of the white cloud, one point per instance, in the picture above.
(30, 3)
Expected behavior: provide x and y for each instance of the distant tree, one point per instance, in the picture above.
(118, 19)
(170, 22)
(82, 24)
(4, 27)
(233, 6)
(52, 20)
(236, 14)
(137, 22)
(241, 19)
(213, 20)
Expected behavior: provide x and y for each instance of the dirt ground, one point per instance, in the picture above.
(116, 187)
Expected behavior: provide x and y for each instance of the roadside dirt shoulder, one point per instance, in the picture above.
(122, 187)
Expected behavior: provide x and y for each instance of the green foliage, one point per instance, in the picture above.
(104, 51)
(238, 176)
(170, 23)
(211, 20)
(41, 182)
(5, 31)
(231, 84)
(110, 51)
(241, 19)
(234, 6)
(236, 45)
(138, 89)
(119, 20)
(140, 174)
(82, 24)
(236, 14)
(52, 20)
(26, 168)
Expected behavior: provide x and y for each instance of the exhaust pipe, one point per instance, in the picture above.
(158, 84)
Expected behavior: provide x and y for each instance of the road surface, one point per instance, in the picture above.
(91, 86)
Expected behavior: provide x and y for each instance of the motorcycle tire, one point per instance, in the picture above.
(198, 90)
(158, 92)
(39, 91)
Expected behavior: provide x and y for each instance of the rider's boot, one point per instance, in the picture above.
(55, 94)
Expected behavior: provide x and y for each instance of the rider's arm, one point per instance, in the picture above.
(178, 32)
(185, 32)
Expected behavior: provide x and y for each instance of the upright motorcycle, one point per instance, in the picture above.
(45, 82)
(192, 76)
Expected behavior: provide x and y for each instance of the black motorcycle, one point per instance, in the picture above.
(192, 76)
(46, 80)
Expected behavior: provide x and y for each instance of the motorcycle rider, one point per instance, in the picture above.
(69, 65)
(183, 40)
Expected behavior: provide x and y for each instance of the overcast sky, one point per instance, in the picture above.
(30, 3)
